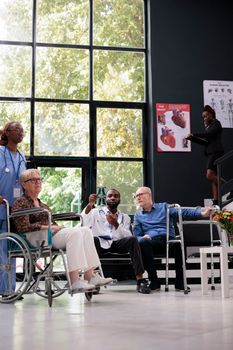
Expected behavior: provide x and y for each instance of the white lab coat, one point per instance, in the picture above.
(97, 222)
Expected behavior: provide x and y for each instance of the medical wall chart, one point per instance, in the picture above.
(219, 95)
(173, 125)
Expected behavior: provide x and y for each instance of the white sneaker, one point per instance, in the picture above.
(81, 286)
(99, 281)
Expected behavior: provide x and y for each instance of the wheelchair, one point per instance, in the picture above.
(29, 249)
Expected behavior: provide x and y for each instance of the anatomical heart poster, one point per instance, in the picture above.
(173, 125)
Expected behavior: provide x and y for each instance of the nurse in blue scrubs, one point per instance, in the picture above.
(12, 163)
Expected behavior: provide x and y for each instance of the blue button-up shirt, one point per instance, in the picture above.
(154, 223)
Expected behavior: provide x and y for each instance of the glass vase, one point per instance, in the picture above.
(230, 240)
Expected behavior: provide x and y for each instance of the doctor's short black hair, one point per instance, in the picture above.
(113, 189)
(210, 110)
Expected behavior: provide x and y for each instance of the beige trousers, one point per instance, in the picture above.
(78, 242)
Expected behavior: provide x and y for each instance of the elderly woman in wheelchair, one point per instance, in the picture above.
(76, 241)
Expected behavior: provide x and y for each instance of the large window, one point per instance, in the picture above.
(61, 129)
(62, 190)
(123, 135)
(74, 73)
(62, 73)
(118, 76)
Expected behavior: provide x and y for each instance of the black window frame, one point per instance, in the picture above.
(88, 164)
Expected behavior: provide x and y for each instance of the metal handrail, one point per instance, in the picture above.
(224, 157)
(227, 184)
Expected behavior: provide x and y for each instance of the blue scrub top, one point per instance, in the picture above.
(11, 166)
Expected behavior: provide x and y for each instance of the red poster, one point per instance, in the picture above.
(173, 125)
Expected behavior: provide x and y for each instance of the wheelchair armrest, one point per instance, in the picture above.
(71, 216)
(26, 211)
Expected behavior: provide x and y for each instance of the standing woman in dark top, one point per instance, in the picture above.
(214, 148)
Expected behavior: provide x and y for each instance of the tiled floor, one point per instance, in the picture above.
(120, 318)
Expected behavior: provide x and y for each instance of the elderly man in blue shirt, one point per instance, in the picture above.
(150, 230)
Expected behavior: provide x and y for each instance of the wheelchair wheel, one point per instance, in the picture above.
(96, 291)
(48, 286)
(57, 278)
(58, 285)
(16, 266)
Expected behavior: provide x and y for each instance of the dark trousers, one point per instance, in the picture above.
(157, 246)
(125, 245)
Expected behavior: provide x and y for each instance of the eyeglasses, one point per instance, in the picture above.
(139, 195)
(18, 130)
(34, 180)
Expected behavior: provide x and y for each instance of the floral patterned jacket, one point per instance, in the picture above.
(32, 222)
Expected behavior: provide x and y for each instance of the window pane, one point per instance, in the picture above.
(62, 73)
(16, 20)
(15, 71)
(61, 189)
(126, 177)
(118, 76)
(119, 23)
(119, 132)
(62, 21)
(61, 129)
(20, 112)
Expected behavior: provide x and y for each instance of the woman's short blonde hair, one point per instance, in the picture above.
(28, 174)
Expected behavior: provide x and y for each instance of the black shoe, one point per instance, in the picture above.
(181, 289)
(143, 286)
(155, 287)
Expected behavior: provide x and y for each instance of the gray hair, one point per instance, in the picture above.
(148, 189)
(28, 174)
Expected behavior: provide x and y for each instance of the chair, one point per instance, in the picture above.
(183, 237)
(124, 259)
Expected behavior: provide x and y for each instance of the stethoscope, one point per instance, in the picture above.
(21, 160)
